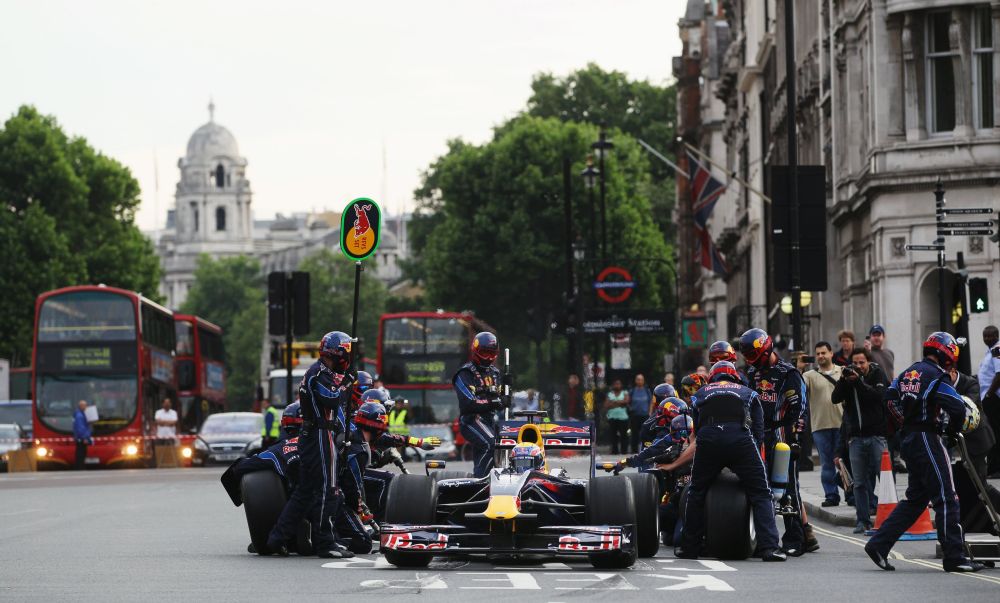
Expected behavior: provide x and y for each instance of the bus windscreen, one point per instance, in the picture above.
(86, 316)
(115, 397)
(423, 351)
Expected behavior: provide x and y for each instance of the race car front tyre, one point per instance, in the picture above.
(729, 531)
(412, 499)
(440, 475)
(263, 499)
(646, 490)
(610, 501)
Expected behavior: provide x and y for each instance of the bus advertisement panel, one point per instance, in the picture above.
(418, 352)
(112, 349)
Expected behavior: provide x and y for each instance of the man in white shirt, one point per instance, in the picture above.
(166, 424)
(989, 384)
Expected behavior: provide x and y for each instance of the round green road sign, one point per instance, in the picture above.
(360, 228)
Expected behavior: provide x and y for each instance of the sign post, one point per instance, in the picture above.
(360, 235)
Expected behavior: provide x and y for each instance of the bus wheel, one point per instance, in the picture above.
(263, 499)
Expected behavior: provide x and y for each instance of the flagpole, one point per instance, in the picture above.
(730, 175)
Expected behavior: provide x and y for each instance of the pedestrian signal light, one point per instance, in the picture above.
(979, 300)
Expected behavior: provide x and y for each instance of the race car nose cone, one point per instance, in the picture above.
(503, 507)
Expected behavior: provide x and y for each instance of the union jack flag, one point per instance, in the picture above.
(705, 190)
(707, 254)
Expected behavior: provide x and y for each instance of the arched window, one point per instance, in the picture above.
(220, 218)
(220, 176)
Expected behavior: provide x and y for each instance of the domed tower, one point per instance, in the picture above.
(213, 195)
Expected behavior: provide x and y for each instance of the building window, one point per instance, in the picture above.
(220, 218)
(982, 68)
(194, 213)
(220, 176)
(941, 72)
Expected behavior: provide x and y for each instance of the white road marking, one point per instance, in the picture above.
(693, 581)
(614, 581)
(709, 565)
(516, 581)
(432, 582)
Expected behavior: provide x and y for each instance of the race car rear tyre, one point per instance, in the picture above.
(263, 499)
(412, 500)
(440, 475)
(646, 490)
(729, 532)
(610, 501)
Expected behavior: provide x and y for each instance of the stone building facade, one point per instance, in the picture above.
(891, 96)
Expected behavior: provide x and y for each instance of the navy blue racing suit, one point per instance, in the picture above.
(317, 497)
(478, 399)
(783, 399)
(728, 422)
(282, 458)
(915, 400)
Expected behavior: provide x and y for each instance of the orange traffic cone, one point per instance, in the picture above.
(922, 529)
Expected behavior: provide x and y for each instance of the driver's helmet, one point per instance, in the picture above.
(526, 457)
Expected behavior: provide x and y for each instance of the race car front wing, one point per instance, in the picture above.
(547, 540)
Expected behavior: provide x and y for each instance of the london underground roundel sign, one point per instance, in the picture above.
(614, 284)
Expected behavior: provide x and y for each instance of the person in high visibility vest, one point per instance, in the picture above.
(270, 433)
(397, 418)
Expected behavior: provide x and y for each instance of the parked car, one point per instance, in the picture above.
(11, 435)
(17, 411)
(227, 436)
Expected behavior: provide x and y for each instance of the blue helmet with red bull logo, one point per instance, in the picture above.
(336, 345)
(371, 415)
(485, 348)
(681, 428)
(669, 409)
(663, 391)
(291, 419)
(724, 371)
(721, 350)
(756, 346)
(943, 348)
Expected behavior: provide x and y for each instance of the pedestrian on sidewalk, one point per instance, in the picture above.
(860, 391)
(842, 357)
(980, 440)
(640, 403)
(616, 407)
(989, 384)
(825, 418)
(881, 355)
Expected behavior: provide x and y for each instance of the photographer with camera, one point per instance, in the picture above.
(860, 391)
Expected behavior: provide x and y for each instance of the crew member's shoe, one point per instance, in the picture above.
(860, 528)
(335, 552)
(277, 547)
(810, 543)
(793, 551)
(251, 549)
(879, 559)
(962, 566)
(681, 553)
(773, 555)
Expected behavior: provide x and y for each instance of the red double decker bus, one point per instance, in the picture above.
(201, 377)
(112, 348)
(418, 352)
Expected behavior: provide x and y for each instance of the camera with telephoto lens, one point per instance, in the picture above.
(995, 351)
(848, 371)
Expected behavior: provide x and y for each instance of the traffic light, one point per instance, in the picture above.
(979, 299)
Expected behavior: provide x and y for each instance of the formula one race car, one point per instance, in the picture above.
(524, 508)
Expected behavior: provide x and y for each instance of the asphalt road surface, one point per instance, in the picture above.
(173, 534)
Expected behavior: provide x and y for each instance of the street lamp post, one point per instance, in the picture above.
(580, 255)
(601, 147)
(589, 179)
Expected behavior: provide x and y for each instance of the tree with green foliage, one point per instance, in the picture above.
(230, 293)
(331, 297)
(68, 218)
(498, 242)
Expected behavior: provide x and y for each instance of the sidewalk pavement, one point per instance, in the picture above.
(812, 494)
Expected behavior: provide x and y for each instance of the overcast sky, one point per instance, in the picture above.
(311, 90)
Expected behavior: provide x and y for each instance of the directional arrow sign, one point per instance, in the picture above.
(964, 233)
(983, 224)
(967, 210)
(925, 247)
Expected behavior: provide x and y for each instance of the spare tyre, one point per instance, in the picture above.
(646, 490)
(729, 529)
(412, 500)
(610, 501)
(263, 496)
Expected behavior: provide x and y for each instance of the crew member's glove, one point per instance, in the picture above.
(365, 513)
(346, 381)
(621, 465)
(428, 443)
